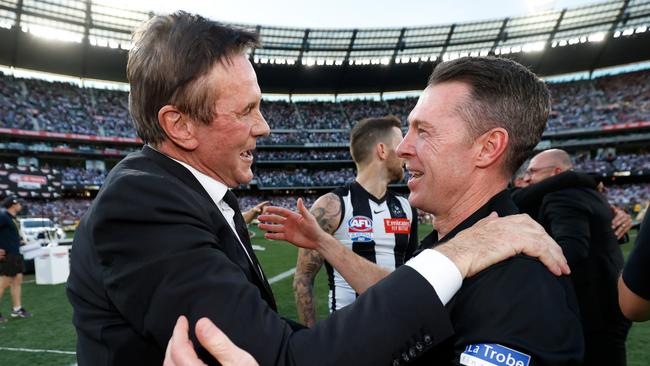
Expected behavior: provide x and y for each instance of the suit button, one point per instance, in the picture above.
(427, 340)
(405, 357)
(419, 346)
(412, 352)
(396, 362)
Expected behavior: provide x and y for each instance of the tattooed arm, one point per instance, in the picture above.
(308, 264)
(327, 210)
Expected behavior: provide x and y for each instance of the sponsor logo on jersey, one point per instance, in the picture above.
(397, 226)
(492, 355)
(360, 229)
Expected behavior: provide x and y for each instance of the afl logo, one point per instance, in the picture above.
(360, 228)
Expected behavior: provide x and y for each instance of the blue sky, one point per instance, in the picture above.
(352, 13)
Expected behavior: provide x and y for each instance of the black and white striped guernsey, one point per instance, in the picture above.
(383, 231)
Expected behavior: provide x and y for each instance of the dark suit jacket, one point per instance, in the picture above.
(579, 218)
(154, 246)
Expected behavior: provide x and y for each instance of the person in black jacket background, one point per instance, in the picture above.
(579, 218)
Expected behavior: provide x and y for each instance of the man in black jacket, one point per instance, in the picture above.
(579, 218)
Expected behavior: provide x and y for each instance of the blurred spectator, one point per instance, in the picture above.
(303, 155)
(59, 211)
(628, 195)
(303, 177)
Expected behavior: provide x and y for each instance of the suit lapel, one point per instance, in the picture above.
(252, 265)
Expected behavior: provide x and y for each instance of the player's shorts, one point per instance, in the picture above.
(12, 265)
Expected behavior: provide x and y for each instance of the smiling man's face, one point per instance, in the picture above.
(436, 148)
(225, 149)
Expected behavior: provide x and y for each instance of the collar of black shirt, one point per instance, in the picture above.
(501, 203)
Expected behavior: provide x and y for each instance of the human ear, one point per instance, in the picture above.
(491, 146)
(178, 127)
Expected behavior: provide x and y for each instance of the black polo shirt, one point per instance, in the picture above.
(9, 235)
(513, 313)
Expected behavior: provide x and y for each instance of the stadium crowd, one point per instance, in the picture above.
(629, 195)
(39, 105)
(330, 154)
(600, 102)
(59, 211)
(82, 176)
(303, 177)
(608, 164)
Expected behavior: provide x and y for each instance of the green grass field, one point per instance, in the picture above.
(51, 329)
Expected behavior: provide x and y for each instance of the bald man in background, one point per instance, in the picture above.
(579, 218)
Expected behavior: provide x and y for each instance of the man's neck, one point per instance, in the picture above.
(373, 179)
(465, 206)
(185, 157)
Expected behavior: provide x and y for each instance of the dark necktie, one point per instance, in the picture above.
(242, 232)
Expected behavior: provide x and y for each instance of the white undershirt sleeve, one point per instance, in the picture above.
(439, 271)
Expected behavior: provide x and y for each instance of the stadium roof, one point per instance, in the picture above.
(90, 39)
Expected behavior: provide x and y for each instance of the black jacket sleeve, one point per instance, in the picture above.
(567, 220)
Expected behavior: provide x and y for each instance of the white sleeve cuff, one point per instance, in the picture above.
(439, 271)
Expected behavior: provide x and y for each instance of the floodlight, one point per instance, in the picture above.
(533, 47)
(53, 33)
(597, 37)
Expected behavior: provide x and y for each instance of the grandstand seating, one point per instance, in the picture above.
(37, 105)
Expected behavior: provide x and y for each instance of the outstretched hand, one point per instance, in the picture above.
(299, 228)
(254, 212)
(494, 239)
